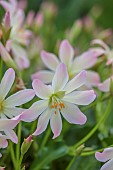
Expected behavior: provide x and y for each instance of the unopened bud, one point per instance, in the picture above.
(26, 144)
(7, 22)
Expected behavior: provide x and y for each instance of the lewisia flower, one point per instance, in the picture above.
(74, 65)
(19, 36)
(106, 156)
(8, 107)
(60, 98)
(107, 51)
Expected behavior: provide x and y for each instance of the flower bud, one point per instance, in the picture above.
(26, 145)
(7, 22)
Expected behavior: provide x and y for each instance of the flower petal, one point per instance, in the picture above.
(3, 141)
(34, 111)
(6, 124)
(6, 83)
(101, 43)
(44, 76)
(66, 52)
(20, 56)
(56, 124)
(6, 5)
(10, 112)
(93, 78)
(60, 78)
(76, 82)
(105, 86)
(72, 114)
(43, 122)
(108, 165)
(20, 98)
(106, 155)
(42, 91)
(50, 60)
(12, 135)
(86, 60)
(80, 97)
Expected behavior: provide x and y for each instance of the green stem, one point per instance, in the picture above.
(103, 118)
(71, 163)
(12, 154)
(18, 146)
(20, 161)
(86, 153)
(45, 138)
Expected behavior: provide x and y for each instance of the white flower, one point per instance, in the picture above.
(59, 99)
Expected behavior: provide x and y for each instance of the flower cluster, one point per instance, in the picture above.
(62, 84)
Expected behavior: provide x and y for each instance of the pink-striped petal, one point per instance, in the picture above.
(72, 114)
(43, 122)
(50, 60)
(80, 97)
(60, 78)
(106, 155)
(56, 123)
(6, 83)
(7, 124)
(42, 91)
(93, 78)
(19, 98)
(105, 86)
(34, 111)
(66, 52)
(86, 60)
(44, 76)
(11, 135)
(76, 82)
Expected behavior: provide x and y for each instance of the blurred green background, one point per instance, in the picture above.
(69, 10)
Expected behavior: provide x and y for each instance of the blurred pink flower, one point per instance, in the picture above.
(60, 98)
(107, 51)
(19, 36)
(74, 65)
(106, 156)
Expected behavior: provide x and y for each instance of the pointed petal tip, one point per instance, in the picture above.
(56, 135)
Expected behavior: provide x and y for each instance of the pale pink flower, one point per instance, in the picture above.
(106, 156)
(60, 98)
(107, 51)
(74, 65)
(8, 105)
